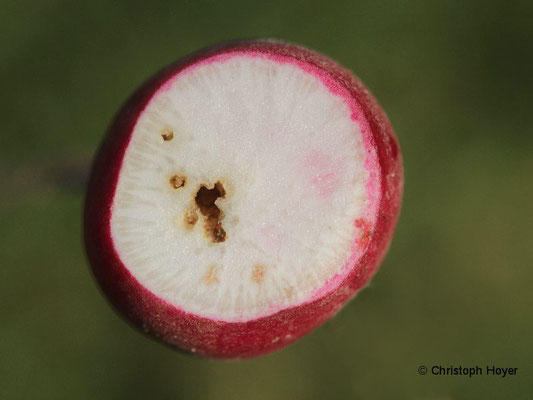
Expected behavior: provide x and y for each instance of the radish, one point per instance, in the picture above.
(241, 197)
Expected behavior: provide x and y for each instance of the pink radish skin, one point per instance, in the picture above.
(220, 339)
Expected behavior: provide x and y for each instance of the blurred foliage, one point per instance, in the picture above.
(456, 80)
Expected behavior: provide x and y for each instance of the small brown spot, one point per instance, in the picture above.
(177, 181)
(288, 291)
(258, 274)
(211, 276)
(219, 234)
(366, 233)
(167, 135)
(191, 217)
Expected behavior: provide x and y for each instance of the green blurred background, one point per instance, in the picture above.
(455, 289)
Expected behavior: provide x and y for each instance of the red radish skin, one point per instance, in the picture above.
(219, 339)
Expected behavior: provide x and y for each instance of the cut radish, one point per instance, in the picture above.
(242, 196)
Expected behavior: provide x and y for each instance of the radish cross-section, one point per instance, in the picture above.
(244, 194)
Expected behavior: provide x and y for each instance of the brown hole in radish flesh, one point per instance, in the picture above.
(205, 200)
